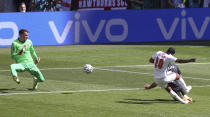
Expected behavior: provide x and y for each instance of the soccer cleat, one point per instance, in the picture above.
(188, 89)
(35, 85)
(15, 78)
(185, 97)
(190, 100)
(186, 102)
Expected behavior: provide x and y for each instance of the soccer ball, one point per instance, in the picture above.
(88, 68)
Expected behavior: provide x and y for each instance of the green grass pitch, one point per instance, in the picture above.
(113, 89)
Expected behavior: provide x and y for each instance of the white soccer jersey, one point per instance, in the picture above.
(161, 62)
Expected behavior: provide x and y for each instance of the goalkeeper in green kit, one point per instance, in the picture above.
(26, 59)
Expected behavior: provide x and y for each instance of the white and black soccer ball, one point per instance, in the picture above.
(88, 68)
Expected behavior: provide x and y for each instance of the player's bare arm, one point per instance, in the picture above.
(153, 85)
(185, 60)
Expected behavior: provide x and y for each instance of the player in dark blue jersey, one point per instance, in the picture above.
(175, 85)
(180, 93)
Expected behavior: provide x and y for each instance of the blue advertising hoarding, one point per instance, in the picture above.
(99, 27)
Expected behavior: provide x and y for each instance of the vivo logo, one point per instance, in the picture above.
(198, 33)
(13, 27)
(92, 34)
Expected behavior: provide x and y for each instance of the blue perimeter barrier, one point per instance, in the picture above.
(101, 27)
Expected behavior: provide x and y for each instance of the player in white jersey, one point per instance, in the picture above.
(161, 61)
(175, 86)
(162, 76)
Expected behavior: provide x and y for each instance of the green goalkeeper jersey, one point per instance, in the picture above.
(27, 55)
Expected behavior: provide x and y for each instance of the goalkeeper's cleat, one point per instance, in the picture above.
(35, 85)
(15, 78)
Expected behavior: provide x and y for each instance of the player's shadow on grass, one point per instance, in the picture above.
(146, 101)
(31, 89)
(7, 90)
(66, 93)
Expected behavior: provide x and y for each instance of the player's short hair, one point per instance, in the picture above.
(170, 50)
(22, 3)
(21, 31)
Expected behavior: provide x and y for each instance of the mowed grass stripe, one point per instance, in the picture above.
(125, 71)
(109, 66)
(84, 91)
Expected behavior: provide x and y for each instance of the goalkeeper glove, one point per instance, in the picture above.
(37, 60)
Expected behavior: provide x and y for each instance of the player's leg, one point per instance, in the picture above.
(174, 95)
(171, 92)
(170, 77)
(174, 76)
(184, 94)
(175, 68)
(35, 84)
(14, 68)
(38, 77)
(34, 70)
(183, 84)
(175, 87)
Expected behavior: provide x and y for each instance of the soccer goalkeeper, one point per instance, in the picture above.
(26, 59)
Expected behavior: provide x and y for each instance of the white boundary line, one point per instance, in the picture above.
(101, 68)
(83, 91)
(150, 74)
(73, 91)
(103, 90)
(108, 66)
(125, 71)
(46, 69)
(153, 65)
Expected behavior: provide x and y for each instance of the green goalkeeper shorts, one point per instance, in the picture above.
(31, 67)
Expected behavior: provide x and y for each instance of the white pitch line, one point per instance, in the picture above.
(4, 70)
(74, 91)
(153, 65)
(101, 68)
(108, 66)
(150, 74)
(46, 69)
(125, 71)
(197, 78)
(83, 91)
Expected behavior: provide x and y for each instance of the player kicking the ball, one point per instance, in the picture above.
(175, 86)
(162, 76)
(24, 54)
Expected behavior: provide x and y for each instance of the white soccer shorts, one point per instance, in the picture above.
(162, 82)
